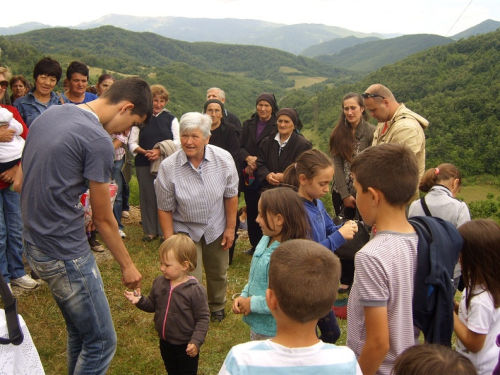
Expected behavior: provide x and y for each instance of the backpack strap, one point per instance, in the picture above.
(424, 207)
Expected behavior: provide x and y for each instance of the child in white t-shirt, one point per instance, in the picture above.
(303, 284)
(477, 321)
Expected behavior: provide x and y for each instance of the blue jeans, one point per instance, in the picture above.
(77, 288)
(118, 177)
(11, 230)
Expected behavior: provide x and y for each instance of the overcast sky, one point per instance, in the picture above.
(383, 16)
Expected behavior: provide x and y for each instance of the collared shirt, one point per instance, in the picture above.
(282, 144)
(120, 151)
(30, 108)
(195, 196)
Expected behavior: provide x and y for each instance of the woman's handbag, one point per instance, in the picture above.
(349, 249)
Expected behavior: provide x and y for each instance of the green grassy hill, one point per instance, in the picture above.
(482, 28)
(456, 87)
(186, 69)
(335, 45)
(370, 56)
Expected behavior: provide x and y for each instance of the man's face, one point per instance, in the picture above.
(214, 94)
(378, 108)
(78, 84)
(123, 120)
(193, 143)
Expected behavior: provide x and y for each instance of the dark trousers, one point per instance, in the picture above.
(176, 360)
(347, 275)
(337, 201)
(231, 249)
(125, 196)
(329, 328)
(252, 201)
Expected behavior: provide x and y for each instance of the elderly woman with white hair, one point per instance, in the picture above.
(197, 194)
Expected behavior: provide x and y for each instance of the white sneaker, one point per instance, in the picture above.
(25, 282)
(122, 233)
(10, 287)
(125, 214)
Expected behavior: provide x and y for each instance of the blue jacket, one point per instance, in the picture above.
(439, 244)
(323, 230)
(260, 319)
(30, 108)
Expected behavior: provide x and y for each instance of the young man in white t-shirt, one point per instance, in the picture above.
(379, 312)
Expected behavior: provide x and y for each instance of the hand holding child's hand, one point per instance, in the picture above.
(192, 350)
(134, 296)
(349, 229)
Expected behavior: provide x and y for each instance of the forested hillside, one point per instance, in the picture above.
(482, 28)
(290, 38)
(335, 45)
(456, 87)
(369, 56)
(187, 69)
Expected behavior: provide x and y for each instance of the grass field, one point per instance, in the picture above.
(138, 351)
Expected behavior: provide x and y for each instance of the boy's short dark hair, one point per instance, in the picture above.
(49, 67)
(432, 359)
(391, 168)
(77, 67)
(304, 276)
(134, 90)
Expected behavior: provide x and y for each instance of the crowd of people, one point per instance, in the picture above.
(56, 146)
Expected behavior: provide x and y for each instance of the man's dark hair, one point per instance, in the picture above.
(48, 67)
(134, 90)
(77, 67)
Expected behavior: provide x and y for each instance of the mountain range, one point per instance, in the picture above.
(296, 38)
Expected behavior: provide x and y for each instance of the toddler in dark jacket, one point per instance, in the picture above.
(180, 306)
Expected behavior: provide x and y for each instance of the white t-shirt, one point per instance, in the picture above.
(482, 317)
(267, 357)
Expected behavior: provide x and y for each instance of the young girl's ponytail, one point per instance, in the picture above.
(442, 172)
(309, 163)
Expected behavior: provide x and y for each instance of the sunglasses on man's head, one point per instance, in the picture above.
(367, 95)
(4, 84)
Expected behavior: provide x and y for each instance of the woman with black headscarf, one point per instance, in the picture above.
(278, 151)
(255, 129)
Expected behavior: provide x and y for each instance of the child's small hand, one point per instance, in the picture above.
(236, 305)
(192, 350)
(134, 296)
(349, 229)
(244, 305)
